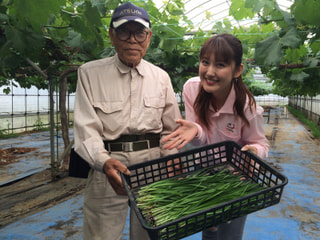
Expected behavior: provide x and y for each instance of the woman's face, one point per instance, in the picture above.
(216, 76)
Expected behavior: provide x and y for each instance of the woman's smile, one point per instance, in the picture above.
(211, 81)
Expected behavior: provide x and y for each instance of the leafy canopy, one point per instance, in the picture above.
(40, 40)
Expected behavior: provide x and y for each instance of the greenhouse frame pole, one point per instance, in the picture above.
(52, 153)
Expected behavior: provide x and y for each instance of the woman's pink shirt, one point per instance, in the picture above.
(225, 125)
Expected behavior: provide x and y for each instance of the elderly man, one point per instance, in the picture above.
(124, 106)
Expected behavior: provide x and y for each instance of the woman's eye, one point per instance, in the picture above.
(221, 65)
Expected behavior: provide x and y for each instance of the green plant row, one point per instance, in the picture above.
(315, 130)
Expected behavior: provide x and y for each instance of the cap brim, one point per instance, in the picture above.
(117, 23)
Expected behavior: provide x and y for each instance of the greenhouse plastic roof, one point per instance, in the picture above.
(219, 10)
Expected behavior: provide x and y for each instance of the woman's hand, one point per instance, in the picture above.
(252, 162)
(249, 148)
(180, 137)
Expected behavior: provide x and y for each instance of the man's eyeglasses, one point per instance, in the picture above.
(124, 35)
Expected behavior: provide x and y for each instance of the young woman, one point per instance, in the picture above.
(219, 107)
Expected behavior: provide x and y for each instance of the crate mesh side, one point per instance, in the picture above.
(176, 165)
(223, 155)
(257, 171)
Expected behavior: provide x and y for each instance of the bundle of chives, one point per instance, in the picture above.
(170, 199)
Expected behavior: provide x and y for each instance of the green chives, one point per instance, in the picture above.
(170, 199)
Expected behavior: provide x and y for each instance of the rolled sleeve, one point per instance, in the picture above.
(87, 125)
(170, 114)
(254, 135)
(190, 90)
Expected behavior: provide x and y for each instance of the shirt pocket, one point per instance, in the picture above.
(229, 135)
(110, 114)
(153, 110)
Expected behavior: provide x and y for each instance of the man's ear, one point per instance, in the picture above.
(149, 38)
(111, 35)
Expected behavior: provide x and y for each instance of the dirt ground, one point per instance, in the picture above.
(34, 194)
(38, 192)
(8, 156)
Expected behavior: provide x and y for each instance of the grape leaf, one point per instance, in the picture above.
(307, 12)
(299, 76)
(257, 5)
(291, 38)
(315, 46)
(295, 55)
(35, 12)
(27, 42)
(311, 62)
(268, 51)
(239, 11)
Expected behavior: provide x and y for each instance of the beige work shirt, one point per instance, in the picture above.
(113, 99)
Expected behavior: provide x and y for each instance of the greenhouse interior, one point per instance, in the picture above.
(46, 45)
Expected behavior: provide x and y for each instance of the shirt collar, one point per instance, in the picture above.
(228, 105)
(125, 69)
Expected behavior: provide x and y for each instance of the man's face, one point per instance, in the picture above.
(130, 51)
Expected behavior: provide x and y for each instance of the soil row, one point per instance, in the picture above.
(34, 194)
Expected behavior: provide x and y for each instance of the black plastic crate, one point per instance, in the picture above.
(220, 155)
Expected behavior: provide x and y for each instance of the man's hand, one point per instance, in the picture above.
(111, 168)
(180, 137)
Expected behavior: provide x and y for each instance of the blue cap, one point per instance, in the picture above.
(128, 12)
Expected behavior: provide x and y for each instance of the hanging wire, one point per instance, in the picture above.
(201, 4)
(167, 26)
(206, 10)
